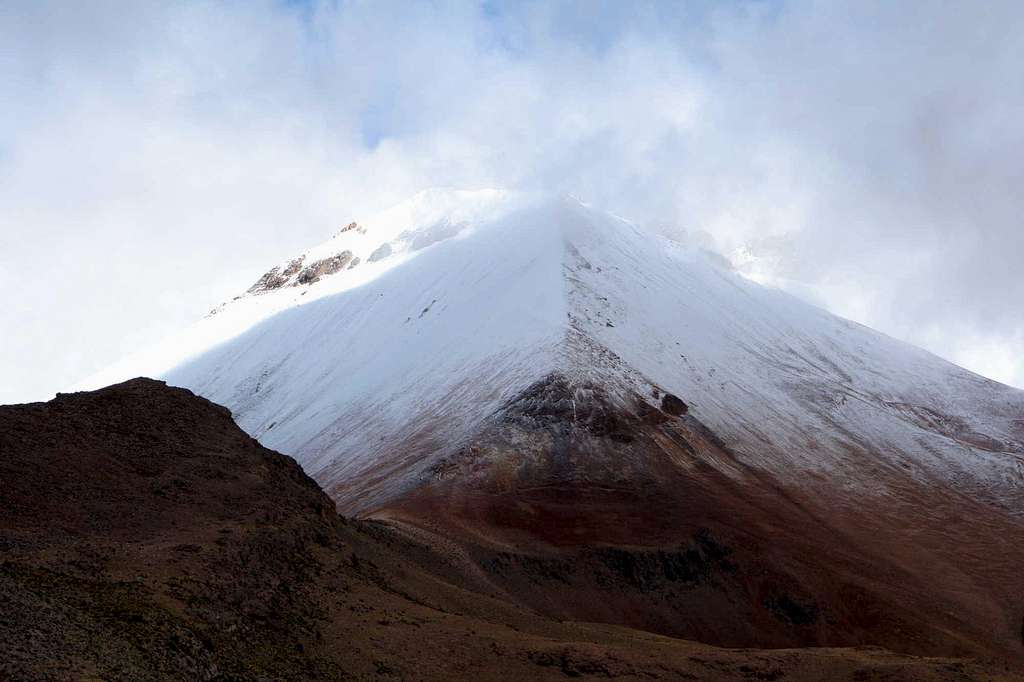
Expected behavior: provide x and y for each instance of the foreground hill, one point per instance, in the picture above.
(144, 536)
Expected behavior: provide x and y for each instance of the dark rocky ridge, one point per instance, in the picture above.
(325, 266)
(276, 278)
(673, 405)
(146, 536)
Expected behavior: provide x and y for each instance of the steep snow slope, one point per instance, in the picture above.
(435, 313)
(794, 387)
(450, 310)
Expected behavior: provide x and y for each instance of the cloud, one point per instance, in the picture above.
(155, 157)
(903, 132)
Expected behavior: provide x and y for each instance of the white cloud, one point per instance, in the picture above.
(155, 158)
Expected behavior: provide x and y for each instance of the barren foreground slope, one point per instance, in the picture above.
(144, 536)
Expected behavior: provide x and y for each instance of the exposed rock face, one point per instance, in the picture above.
(561, 404)
(673, 405)
(145, 537)
(275, 278)
(352, 227)
(326, 266)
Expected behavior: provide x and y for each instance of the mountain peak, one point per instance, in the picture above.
(429, 217)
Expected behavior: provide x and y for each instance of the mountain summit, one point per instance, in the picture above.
(614, 427)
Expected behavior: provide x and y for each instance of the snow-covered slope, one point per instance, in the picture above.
(383, 349)
(793, 387)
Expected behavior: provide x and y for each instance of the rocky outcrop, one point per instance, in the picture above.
(352, 227)
(671, 404)
(275, 278)
(326, 266)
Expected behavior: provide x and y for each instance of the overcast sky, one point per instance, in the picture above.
(156, 158)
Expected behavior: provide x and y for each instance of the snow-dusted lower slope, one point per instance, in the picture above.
(377, 353)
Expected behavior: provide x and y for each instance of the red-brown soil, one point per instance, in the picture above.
(601, 511)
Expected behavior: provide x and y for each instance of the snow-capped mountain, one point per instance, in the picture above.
(413, 327)
(523, 371)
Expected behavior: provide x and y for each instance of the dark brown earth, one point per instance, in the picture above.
(143, 536)
(586, 508)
